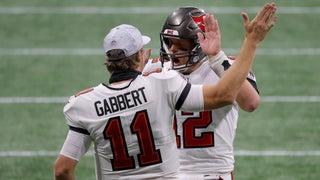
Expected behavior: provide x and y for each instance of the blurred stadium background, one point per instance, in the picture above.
(52, 49)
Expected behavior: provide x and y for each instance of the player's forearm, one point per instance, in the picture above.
(230, 83)
(64, 168)
(233, 79)
(248, 98)
(64, 175)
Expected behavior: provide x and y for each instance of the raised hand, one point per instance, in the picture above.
(211, 43)
(258, 28)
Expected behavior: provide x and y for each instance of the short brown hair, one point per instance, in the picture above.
(122, 64)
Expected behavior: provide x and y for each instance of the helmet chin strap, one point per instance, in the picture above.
(184, 67)
(193, 57)
(187, 69)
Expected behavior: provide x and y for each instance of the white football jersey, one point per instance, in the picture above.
(131, 124)
(205, 139)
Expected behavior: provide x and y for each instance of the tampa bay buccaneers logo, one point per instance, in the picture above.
(199, 21)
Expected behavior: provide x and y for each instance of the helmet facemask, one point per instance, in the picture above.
(193, 55)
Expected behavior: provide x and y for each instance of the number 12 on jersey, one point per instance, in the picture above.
(189, 126)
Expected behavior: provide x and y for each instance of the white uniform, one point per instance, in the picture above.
(131, 125)
(205, 139)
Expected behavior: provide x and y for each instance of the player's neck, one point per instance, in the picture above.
(121, 82)
(123, 76)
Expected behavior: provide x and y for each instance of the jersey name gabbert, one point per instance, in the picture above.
(120, 102)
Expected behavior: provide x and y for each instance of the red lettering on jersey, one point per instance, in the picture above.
(186, 113)
(84, 92)
(140, 125)
(176, 131)
(189, 127)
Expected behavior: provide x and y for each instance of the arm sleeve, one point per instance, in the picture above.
(181, 94)
(75, 145)
(221, 63)
(194, 101)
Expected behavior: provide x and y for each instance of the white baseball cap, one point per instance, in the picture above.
(125, 37)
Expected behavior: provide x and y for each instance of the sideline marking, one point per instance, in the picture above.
(290, 99)
(276, 153)
(237, 153)
(147, 10)
(155, 51)
(20, 100)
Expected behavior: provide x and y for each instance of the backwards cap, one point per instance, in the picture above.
(126, 38)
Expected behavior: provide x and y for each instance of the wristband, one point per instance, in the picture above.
(219, 63)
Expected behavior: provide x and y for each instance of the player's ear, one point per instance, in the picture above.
(146, 55)
(141, 59)
(140, 54)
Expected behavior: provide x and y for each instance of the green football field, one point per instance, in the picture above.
(50, 50)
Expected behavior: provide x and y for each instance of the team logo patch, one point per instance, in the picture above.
(171, 32)
(113, 43)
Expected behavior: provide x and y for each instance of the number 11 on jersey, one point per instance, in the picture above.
(140, 126)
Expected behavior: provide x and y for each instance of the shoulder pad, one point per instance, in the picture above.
(84, 92)
(153, 71)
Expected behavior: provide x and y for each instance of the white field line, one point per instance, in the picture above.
(147, 10)
(276, 153)
(237, 153)
(290, 99)
(19, 100)
(155, 51)
(51, 51)
(50, 100)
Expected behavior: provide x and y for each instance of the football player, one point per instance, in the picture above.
(205, 139)
(130, 120)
